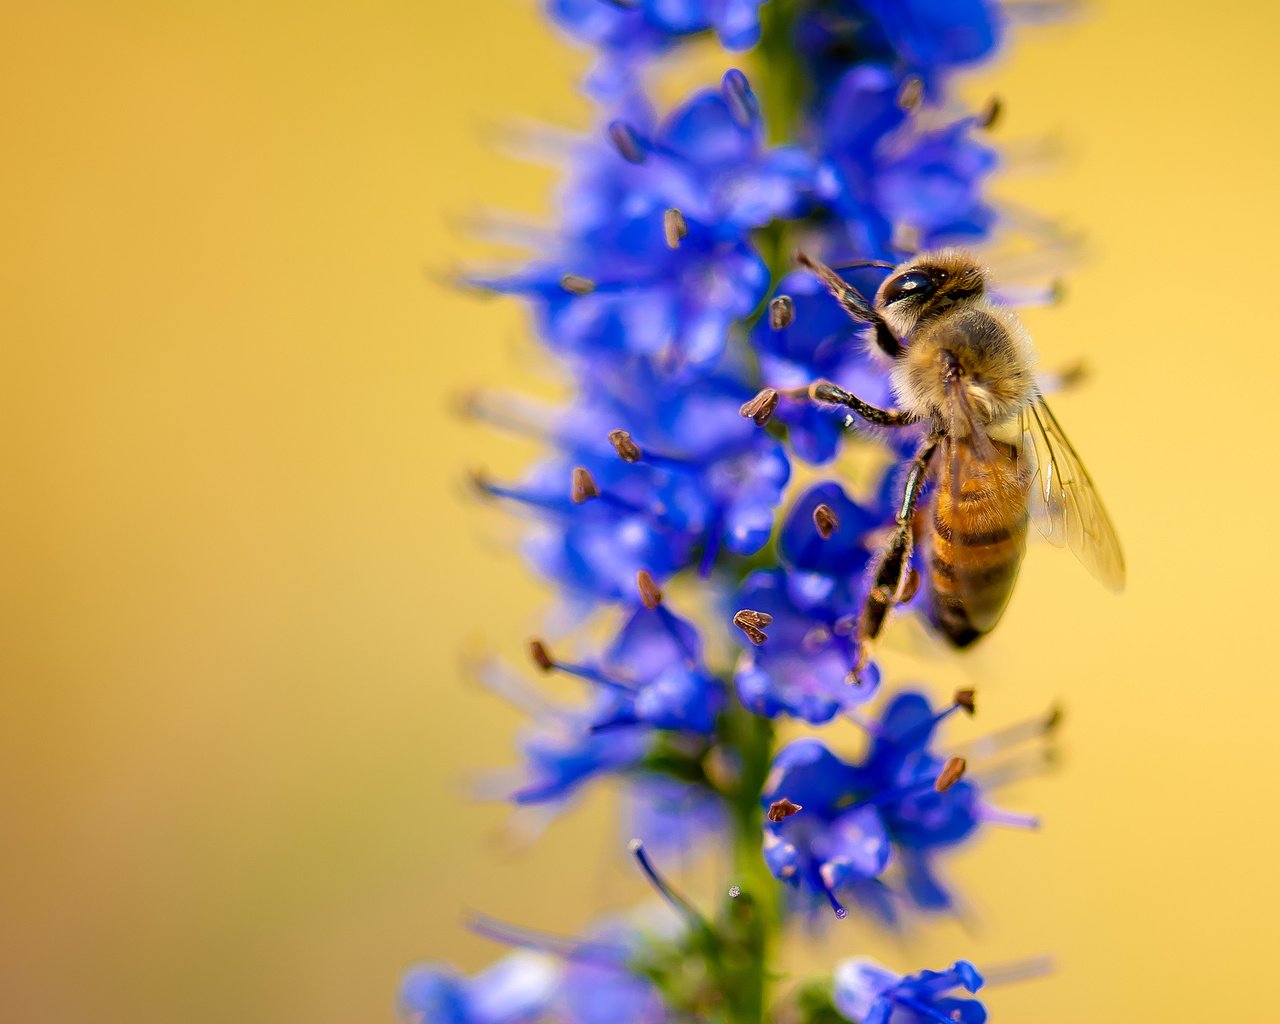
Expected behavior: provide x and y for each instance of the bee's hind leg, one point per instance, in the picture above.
(894, 581)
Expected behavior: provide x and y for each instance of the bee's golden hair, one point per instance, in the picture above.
(957, 320)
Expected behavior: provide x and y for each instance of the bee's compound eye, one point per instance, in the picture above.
(914, 284)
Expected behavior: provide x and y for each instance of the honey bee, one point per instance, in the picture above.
(993, 455)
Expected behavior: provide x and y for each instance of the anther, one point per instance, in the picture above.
(576, 284)
(825, 521)
(990, 113)
(584, 486)
(750, 622)
(674, 227)
(627, 449)
(740, 99)
(626, 142)
(1053, 719)
(760, 409)
(964, 699)
(541, 656)
(784, 808)
(650, 594)
(951, 773)
(735, 891)
(911, 95)
(782, 312)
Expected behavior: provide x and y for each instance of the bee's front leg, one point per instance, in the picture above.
(893, 580)
(760, 409)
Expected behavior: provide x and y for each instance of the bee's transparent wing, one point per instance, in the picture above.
(1062, 500)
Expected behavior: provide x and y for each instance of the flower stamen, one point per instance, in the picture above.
(751, 623)
(678, 902)
(760, 409)
(583, 487)
(782, 312)
(674, 227)
(825, 521)
(952, 772)
(783, 808)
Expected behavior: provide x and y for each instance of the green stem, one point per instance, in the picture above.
(779, 77)
(754, 916)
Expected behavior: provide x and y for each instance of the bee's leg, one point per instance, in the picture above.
(894, 582)
(854, 304)
(760, 409)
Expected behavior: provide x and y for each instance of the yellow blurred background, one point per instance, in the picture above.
(238, 568)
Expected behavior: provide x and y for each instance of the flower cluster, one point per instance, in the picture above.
(667, 293)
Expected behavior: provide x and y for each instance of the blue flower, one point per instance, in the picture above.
(519, 989)
(821, 343)
(894, 172)
(627, 279)
(828, 845)
(702, 480)
(564, 752)
(867, 993)
(892, 800)
(671, 816)
(607, 990)
(936, 35)
(552, 979)
(927, 39)
(803, 668)
(919, 819)
(650, 681)
(649, 25)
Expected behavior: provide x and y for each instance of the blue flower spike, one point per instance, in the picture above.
(667, 295)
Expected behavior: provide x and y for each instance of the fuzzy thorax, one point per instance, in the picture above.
(989, 346)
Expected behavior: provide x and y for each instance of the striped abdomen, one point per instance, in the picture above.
(974, 543)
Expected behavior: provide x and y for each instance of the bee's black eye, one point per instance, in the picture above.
(915, 284)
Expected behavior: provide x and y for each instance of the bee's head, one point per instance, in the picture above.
(927, 286)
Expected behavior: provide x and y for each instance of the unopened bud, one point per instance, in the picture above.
(584, 486)
(760, 409)
(951, 773)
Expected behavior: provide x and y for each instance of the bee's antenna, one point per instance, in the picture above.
(866, 263)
